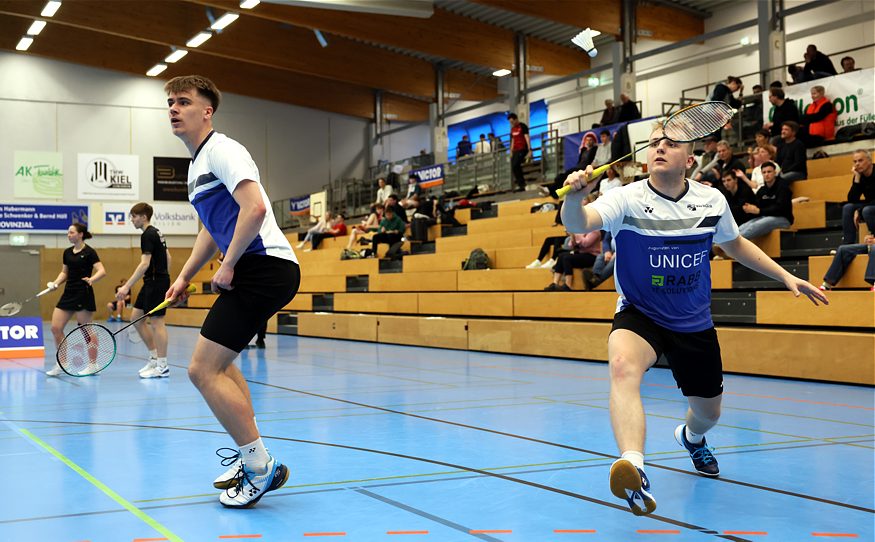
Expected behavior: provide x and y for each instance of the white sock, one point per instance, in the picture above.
(255, 456)
(693, 438)
(162, 362)
(255, 422)
(636, 458)
(153, 354)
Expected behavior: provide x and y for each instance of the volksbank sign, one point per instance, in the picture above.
(430, 176)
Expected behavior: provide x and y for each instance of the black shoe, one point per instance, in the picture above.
(551, 288)
(565, 288)
(587, 279)
(259, 343)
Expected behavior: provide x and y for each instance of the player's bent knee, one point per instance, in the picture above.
(623, 368)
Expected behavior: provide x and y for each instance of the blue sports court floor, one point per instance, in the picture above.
(391, 442)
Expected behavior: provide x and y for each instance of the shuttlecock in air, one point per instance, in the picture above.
(584, 41)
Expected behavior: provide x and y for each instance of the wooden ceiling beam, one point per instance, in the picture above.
(250, 39)
(444, 34)
(102, 50)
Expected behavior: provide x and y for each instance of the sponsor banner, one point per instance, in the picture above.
(170, 178)
(21, 337)
(299, 206)
(41, 218)
(170, 218)
(852, 94)
(429, 176)
(108, 177)
(38, 175)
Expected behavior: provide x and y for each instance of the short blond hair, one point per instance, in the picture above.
(199, 83)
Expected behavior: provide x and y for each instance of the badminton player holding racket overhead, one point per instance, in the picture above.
(257, 277)
(80, 261)
(664, 227)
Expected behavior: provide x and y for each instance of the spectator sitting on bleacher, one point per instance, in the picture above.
(610, 114)
(784, 110)
(336, 228)
(371, 223)
(817, 65)
(758, 157)
(819, 121)
(610, 181)
(791, 154)
(586, 154)
(383, 192)
(550, 245)
(603, 152)
(737, 195)
(321, 226)
(725, 162)
(628, 110)
(603, 268)
(773, 208)
(708, 159)
(762, 137)
(411, 200)
(843, 258)
(391, 229)
(848, 64)
(861, 198)
(584, 248)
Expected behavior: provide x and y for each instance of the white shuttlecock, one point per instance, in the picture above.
(584, 41)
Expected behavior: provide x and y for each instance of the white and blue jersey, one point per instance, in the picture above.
(663, 244)
(218, 166)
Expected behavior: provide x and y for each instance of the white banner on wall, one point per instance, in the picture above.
(170, 217)
(38, 175)
(108, 177)
(852, 95)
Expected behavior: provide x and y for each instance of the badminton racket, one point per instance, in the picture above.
(689, 124)
(90, 348)
(584, 41)
(11, 309)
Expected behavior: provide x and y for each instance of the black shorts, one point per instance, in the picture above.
(262, 286)
(152, 294)
(694, 358)
(77, 299)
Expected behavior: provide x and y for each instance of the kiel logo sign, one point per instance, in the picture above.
(104, 174)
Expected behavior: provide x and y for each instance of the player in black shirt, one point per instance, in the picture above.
(154, 269)
(80, 261)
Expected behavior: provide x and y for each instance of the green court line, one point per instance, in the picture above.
(145, 518)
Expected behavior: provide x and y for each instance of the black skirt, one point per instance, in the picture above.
(77, 299)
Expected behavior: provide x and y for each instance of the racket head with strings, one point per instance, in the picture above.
(86, 350)
(697, 121)
(10, 309)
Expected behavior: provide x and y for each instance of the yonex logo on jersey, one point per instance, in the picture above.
(648, 209)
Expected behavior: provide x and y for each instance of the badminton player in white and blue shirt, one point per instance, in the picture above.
(259, 275)
(664, 227)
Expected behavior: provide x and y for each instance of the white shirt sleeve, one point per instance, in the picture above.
(232, 163)
(727, 229)
(611, 206)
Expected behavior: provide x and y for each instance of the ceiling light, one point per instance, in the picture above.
(51, 8)
(224, 21)
(175, 56)
(156, 69)
(745, 40)
(23, 44)
(35, 28)
(593, 81)
(198, 40)
(249, 4)
(501, 73)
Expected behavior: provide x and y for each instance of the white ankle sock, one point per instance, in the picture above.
(255, 456)
(162, 362)
(153, 354)
(636, 458)
(693, 438)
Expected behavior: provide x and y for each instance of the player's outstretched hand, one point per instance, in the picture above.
(178, 291)
(802, 287)
(580, 181)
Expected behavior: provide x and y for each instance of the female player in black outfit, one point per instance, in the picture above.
(80, 261)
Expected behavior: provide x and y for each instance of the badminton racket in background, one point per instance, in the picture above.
(688, 124)
(11, 309)
(90, 348)
(584, 41)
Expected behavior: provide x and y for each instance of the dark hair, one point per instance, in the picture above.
(769, 164)
(776, 84)
(199, 83)
(757, 88)
(842, 61)
(605, 132)
(765, 133)
(511, 116)
(393, 196)
(733, 79)
(777, 92)
(414, 176)
(142, 208)
(793, 125)
(83, 229)
(728, 173)
(482, 136)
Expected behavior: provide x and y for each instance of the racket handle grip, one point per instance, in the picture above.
(562, 192)
(166, 303)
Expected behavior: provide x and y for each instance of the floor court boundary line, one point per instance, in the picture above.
(124, 503)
